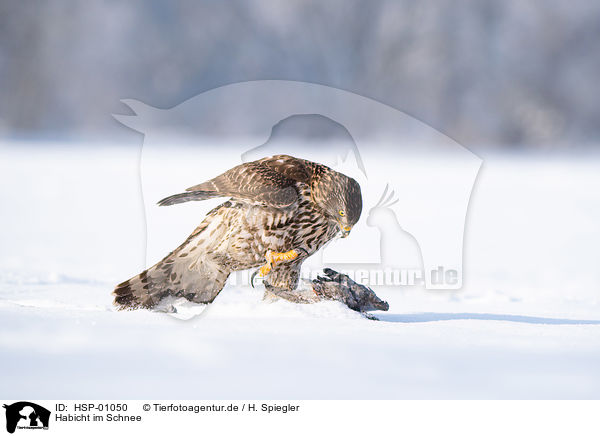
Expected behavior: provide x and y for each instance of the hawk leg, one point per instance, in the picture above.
(273, 258)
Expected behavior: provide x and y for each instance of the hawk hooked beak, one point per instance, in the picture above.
(345, 230)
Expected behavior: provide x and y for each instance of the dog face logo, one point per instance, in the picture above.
(26, 415)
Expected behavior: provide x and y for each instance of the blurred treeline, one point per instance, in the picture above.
(498, 72)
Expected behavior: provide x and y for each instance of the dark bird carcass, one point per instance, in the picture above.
(280, 210)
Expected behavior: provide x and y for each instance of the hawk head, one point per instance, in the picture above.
(340, 199)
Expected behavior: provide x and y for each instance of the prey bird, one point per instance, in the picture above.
(280, 210)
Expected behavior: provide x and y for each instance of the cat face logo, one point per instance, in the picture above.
(26, 415)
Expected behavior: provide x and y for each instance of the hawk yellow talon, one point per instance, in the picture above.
(279, 257)
(273, 257)
(264, 270)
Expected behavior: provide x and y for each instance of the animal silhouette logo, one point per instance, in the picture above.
(432, 176)
(26, 415)
(399, 249)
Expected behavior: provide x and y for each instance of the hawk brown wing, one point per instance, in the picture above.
(270, 181)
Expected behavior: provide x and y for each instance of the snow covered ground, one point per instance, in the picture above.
(525, 325)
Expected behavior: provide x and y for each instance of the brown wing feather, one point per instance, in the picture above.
(269, 181)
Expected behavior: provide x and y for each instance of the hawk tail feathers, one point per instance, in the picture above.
(196, 279)
(142, 291)
(193, 271)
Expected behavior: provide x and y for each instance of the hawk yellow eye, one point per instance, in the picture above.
(342, 213)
